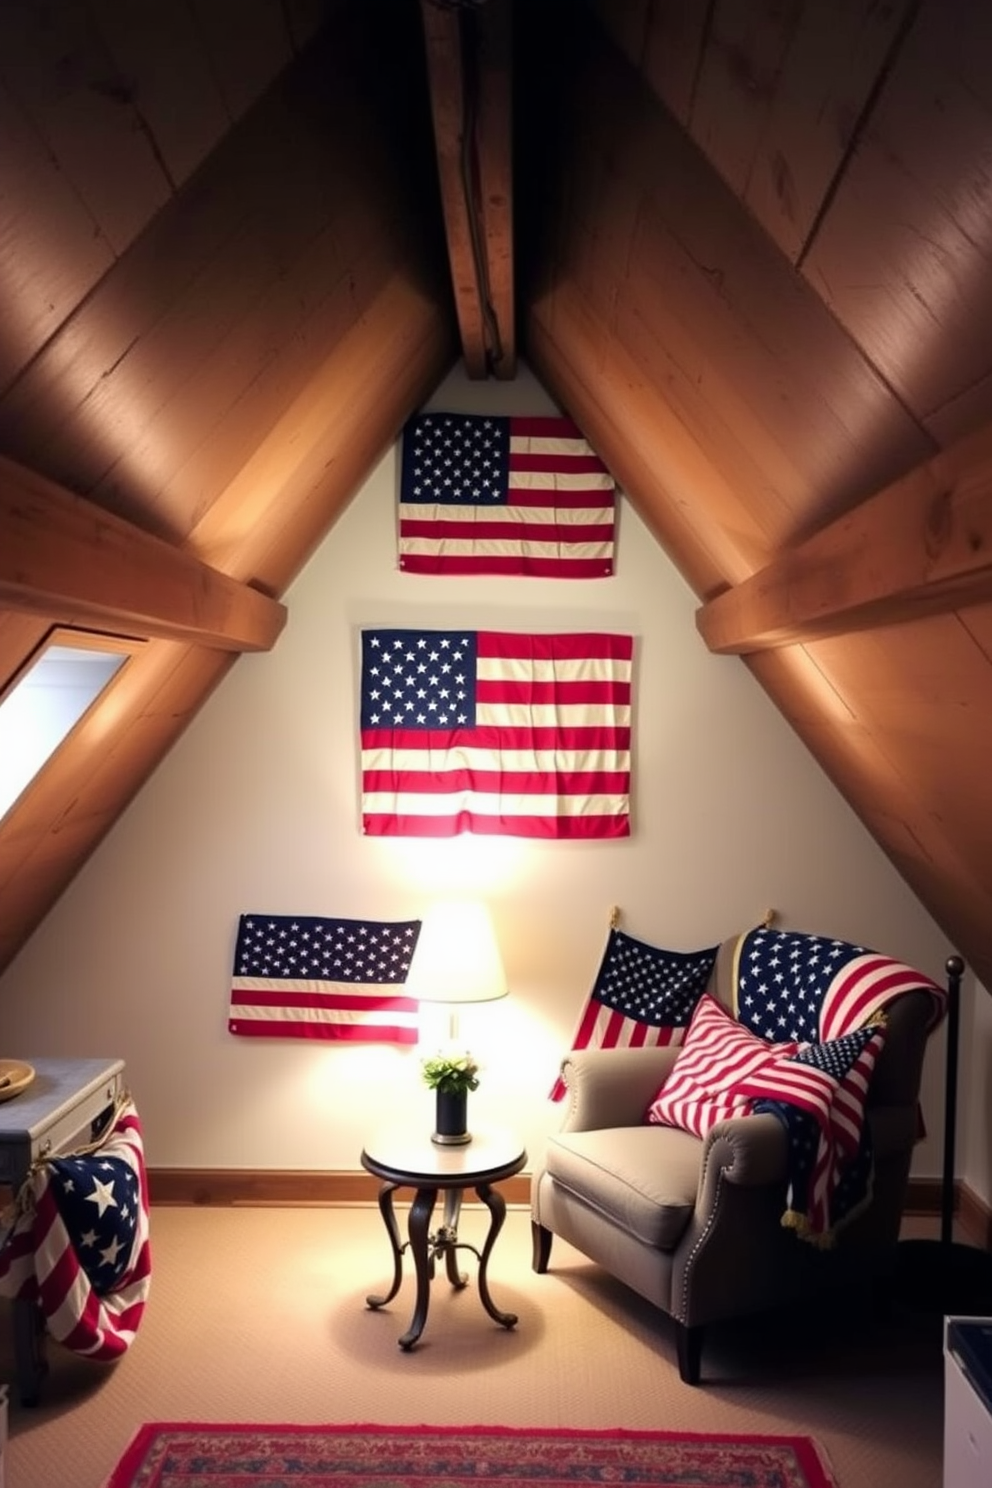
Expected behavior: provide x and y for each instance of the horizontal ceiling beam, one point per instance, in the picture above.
(63, 557)
(921, 546)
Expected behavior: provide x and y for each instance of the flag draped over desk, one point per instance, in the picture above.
(495, 733)
(305, 977)
(79, 1242)
(481, 494)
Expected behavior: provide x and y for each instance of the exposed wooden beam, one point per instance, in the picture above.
(921, 546)
(469, 67)
(63, 557)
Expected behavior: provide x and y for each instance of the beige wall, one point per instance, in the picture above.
(974, 1125)
(257, 810)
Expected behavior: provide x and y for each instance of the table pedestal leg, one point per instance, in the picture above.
(389, 1220)
(496, 1205)
(447, 1237)
(420, 1218)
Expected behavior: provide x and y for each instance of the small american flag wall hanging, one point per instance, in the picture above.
(482, 494)
(304, 976)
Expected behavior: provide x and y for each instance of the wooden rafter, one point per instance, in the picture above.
(469, 68)
(67, 559)
(920, 546)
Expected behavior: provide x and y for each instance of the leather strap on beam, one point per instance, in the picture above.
(63, 557)
(920, 546)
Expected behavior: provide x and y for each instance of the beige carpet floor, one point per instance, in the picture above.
(259, 1315)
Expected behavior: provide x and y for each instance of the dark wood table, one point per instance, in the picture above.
(405, 1160)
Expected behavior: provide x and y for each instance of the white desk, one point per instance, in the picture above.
(967, 1402)
(56, 1113)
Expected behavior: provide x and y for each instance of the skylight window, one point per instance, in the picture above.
(47, 700)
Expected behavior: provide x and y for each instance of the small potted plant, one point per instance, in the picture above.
(451, 1077)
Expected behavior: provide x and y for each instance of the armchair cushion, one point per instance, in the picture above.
(643, 1179)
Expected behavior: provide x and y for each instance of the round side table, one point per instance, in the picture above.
(404, 1160)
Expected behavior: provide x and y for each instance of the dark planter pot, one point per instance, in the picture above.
(450, 1118)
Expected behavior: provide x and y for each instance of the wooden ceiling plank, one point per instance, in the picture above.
(820, 94)
(448, 84)
(902, 254)
(673, 48)
(379, 368)
(923, 545)
(937, 863)
(65, 558)
(782, 400)
(20, 634)
(217, 317)
(50, 255)
(643, 442)
(53, 60)
(738, 79)
(247, 42)
(152, 45)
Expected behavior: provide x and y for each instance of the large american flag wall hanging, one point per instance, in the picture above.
(496, 733)
(481, 494)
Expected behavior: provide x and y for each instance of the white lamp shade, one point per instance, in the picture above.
(457, 958)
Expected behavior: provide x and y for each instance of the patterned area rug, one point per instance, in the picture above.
(169, 1454)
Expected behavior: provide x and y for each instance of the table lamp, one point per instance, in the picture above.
(456, 961)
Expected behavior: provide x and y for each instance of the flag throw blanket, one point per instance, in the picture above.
(78, 1243)
(829, 998)
(424, 1456)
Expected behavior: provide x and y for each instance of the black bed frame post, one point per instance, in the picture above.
(954, 967)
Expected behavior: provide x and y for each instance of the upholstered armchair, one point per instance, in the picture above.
(695, 1224)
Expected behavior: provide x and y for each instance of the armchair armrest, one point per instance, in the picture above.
(747, 1150)
(612, 1087)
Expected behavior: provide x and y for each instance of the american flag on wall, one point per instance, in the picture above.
(305, 977)
(495, 733)
(643, 995)
(79, 1245)
(481, 494)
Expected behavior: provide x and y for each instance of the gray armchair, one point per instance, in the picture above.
(695, 1225)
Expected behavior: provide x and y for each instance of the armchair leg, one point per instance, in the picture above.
(689, 1347)
(541, 1241)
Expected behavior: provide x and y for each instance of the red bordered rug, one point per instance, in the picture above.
(167, 1454)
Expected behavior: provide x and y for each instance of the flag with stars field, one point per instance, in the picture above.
(481, 494)
(643, 996)
(305, 976)
(830, 997)
(79, 1242)
(495, 733)
(794, 985)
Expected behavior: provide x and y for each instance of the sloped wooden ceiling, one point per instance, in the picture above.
(223, 288)
(757, 259)
(746, 245)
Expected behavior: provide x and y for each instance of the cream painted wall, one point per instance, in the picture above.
(973, 1139)
(256, 809)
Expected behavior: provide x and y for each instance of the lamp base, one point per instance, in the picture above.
(451, 1139)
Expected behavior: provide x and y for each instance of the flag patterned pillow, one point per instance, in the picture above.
(716, 1057)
